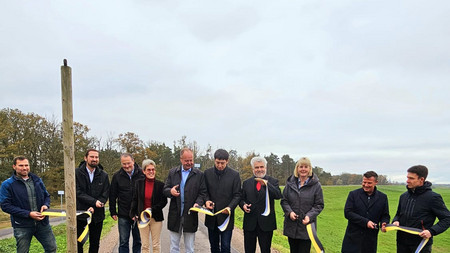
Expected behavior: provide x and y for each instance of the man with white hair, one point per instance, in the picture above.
(259, 212)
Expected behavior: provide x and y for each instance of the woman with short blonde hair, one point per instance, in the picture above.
(302, 202)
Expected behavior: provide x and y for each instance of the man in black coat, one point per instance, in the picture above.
(224, 186)
(120, 197)
(92, 184)
(259, 223)
(185, 186)
(367, 211)
(418, 208)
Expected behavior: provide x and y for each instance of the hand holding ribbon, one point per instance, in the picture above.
(145, 218)
(226, 211)
(312, 234)
(414, 231)
(62, 213)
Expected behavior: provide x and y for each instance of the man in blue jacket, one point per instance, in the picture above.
(367, 211)
(24, 197)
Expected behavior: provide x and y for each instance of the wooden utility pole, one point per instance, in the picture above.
(69, 157)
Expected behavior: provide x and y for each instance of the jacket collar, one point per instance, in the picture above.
(30, 176)
(373, 198)
(421, 189)
(135, 170)
(293, 181)
(193, 170)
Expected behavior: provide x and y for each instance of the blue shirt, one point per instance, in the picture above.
(300, 183)
(184, 176)
(131, 174)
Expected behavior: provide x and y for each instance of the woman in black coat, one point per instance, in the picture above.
(302, 202)
(148, 193)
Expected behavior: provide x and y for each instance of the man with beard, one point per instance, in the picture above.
(367, 211)
(92, 184)
(258, 223)
(25, 197)
(418, 208)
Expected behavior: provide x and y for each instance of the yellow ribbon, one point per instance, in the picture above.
(61, 213)
(312, 233)
(201, 210)
(145, 218)
(208, 212)
(414, 231)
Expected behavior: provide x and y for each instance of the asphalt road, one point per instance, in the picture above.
(8, 232)
(201, 239)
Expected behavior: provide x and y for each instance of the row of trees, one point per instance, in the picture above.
(40, 139)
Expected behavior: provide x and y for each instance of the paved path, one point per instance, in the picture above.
(8, 232)
(110, 242)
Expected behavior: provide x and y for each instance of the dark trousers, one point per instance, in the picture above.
(264, 240)
(299, 245)
(95, 231)
(220, 242)
(408, 248)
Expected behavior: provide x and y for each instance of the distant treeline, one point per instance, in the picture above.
(40, 140)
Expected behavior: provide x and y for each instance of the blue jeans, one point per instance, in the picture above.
(125, 226)
(217, 238)
(175, 238)
(43, 234)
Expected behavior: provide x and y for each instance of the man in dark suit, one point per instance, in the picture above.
(367, 211)
(224, 193)
(259, 223)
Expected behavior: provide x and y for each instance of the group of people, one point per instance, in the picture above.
(135, 194)
(367, 211)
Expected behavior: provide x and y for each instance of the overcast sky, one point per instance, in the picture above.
(353, 85)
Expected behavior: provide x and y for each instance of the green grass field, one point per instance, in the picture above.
(331, 223)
